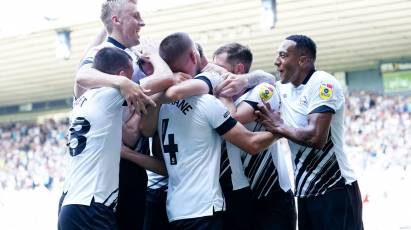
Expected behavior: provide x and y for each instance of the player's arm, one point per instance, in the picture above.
(100, 37)
(235, 84)
(315, 134)
(130, 128)
(148, 123)
(162, 77)
(244, 112)
(88, 77)
(153, 163)
(250, 142)
(185, 89)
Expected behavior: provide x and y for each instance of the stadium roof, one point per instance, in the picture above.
(350, 35)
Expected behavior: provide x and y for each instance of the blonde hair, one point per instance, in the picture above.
(110, 8)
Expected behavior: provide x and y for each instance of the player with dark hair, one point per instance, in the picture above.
(190, 131)
(312, 119)
(91, 187)
(256, 187)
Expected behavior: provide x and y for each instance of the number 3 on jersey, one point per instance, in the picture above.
(171, 148)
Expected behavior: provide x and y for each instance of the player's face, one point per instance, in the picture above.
(221, 60)
(287, 61)
(130, 24)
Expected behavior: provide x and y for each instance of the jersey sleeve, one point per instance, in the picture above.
(218, 116)
(89, 57)
(212, 79)
(253, 97)
(326, 95)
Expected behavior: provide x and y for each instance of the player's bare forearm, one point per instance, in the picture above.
(251, 142)
(262, 140)
(236, 84)
(145, 161)
(162, 77)
(188, 88)
(100, 37)
(130, 130)
(315, 134)
(88, 78)
(259, 76)
(148, 123)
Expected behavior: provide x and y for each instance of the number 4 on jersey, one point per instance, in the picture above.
(171, 148)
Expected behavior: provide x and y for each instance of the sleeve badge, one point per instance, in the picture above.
(326, 91)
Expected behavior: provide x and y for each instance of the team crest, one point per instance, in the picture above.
(303, 100)
(326, 91)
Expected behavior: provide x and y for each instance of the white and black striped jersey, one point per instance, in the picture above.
(94, 146)
(317, 171)
(267, 171)
(189, 131)
(156, 181)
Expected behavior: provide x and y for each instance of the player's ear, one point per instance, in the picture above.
(122, 73)
(115, 19)
(193, 57)
(239, 68)
(302, 60)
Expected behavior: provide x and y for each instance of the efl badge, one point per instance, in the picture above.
(266, 91)
(326, 91)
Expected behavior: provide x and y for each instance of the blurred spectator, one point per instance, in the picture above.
(32, 155)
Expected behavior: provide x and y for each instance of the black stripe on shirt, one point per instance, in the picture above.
(226, 126)
(85, 62)
(323, 109)
(116, 43)
(208, 82)
(252, 103)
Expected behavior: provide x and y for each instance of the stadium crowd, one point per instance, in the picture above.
(377, 129)
(32, 154)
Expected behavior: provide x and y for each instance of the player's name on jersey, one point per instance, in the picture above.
(79, 102)
(183, 106)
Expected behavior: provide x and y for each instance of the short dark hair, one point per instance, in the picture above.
(111, 60)
(236, 53)
(200, 49)
(305, 44)
(174, 46)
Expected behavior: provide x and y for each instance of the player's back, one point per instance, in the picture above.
(94, 146)
(189, 133)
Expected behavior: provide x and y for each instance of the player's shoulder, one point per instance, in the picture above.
(320, 76)
(323, 78)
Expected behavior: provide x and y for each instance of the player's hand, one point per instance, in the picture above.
(180, 77)
(270, 119)
(211, 67)
(135, 96)
(231, 86)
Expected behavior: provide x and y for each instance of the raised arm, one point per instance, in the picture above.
(100, 37)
